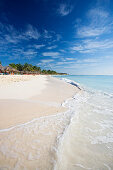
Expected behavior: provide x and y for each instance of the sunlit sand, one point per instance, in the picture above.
(32, 118)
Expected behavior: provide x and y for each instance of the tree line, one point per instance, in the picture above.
(29, 69)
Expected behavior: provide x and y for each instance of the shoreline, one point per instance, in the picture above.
(37, 137)
(45, 99)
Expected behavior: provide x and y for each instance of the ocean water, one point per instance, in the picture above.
(87, 141)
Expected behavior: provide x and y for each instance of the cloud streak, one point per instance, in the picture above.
(51, 54)
(47, 61)
(64, 9)
(17, 42)
(52, 47)
(90, 46)
(39, 46)
(11, 35)
(32, 32)
(99, 23)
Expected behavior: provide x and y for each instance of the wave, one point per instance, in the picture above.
(87, 141)
(72, 83)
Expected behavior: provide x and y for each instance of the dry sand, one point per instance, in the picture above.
(28, 120)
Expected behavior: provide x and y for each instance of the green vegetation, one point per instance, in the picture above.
(25, 67)
(0, 62)
(31, 69)
(49, 72)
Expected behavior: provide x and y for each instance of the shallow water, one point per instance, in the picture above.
(87, 142)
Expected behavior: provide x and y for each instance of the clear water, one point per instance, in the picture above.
(102, 83)
(87, 142)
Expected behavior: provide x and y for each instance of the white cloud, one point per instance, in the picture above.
(99, 23)
(11, 39)
(63, 51)
(29, 52)
(90, 31)
(88, 60)
(39, 46)
(47, 61)
(69, 58)
(89, 46)
(97, 13)
(47, 34)
(81, 63)
(65, 9)
(11, 35)
(51, 54)
(59, 63)
(58, 37)
(52, 47)
(32, 32)
(51, 35)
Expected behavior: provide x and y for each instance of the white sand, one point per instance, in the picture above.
(21, 86)
(32, 101)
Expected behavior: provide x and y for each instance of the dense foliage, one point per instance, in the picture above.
(25, 69)
(29, 68)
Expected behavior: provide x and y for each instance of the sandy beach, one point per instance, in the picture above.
(31, 118)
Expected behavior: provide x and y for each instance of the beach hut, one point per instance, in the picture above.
(10, 70)
(1, 69)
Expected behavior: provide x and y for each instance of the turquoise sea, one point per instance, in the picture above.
(100, 82)
(87, 142)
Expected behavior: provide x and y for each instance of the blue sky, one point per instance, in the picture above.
(72, 36)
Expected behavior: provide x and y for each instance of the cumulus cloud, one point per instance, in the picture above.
(65, 9)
